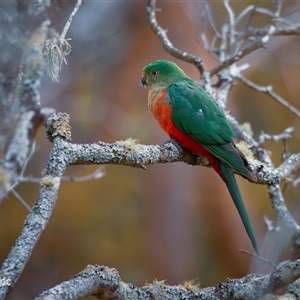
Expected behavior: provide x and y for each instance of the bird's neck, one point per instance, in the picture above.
(155, 92)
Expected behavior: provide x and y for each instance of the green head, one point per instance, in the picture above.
(161, 72)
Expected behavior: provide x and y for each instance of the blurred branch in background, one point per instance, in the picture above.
(233, 41)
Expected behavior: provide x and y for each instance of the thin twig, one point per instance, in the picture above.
(211, 20)
(67, 26)
(97, 174)
(254, 8)
(21, 200)
(27, 160)
(231, 21)
(258, 257)
(285, 135)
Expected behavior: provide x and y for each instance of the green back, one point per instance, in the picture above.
(194, 112)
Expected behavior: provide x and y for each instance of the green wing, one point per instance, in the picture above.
(195, 113)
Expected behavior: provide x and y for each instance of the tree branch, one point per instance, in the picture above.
(259, 43)
(102, 281)
(269, 91)
(168, 46)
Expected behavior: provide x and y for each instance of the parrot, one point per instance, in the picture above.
(191, 117)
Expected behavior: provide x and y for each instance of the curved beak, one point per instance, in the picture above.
(143, 81)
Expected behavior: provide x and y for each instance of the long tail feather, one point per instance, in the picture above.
(228, 177)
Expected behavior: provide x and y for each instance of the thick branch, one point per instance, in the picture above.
(102, 281)
(35, 223)
(131, 153)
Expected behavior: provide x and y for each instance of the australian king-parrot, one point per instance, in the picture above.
(191, 117)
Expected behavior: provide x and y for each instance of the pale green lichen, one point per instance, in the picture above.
(131, 145)
(247, 128)
(245, 148)
(47, 181)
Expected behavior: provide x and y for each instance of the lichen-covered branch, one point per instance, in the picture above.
(102, 281)
(131, 153)
(35, 223)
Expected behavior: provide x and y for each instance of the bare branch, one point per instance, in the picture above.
(269, 91)
(232, 21)
(251, 9)
(249, 49)
(211, 20)
(237, 57)
(162, 34)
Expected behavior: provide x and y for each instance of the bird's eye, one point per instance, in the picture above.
(154, 73)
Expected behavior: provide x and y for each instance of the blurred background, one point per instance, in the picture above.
(172, 222)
